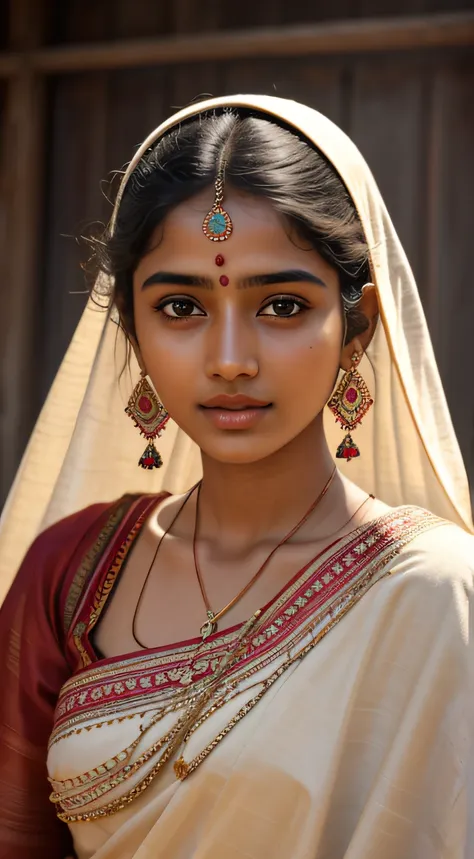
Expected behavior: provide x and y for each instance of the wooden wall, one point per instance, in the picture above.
(407, 105)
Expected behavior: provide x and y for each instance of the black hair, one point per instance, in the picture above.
(262, 158)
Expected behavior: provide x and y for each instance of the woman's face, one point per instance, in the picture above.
(267, 345)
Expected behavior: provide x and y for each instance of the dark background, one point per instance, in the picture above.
(83, 81)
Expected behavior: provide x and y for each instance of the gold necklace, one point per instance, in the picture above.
(210, 626)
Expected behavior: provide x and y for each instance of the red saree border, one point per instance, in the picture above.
(87, 566)
(160, 673)
(125, 520)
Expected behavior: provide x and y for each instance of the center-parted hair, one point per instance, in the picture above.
(261, 158)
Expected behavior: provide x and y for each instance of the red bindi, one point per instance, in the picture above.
(219, 260)
(224, 280)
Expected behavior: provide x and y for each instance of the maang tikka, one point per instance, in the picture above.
(350, 402)
(150, 417)
(217, 225)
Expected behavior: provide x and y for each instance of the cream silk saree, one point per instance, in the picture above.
(337, 723)
(340, 727)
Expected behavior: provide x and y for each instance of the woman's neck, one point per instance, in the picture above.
(244, 504)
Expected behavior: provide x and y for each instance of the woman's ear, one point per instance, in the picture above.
(369, 307)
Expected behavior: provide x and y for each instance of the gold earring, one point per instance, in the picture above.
(349, 404)
(150, 417)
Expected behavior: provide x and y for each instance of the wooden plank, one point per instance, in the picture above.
(135, 20)
(187, 16)
(5, 264)
(319, 85)
(409, 7)
(26, 24)
(189, 83)
(10, 64)
(4, 24)
(386, 123)
(319, 39)
(397, 7)
(451, 245)
(22, 169)
(339, 37)
(306, 80)
(300, 13)
(249, 14)
(136, 104)
(414, 124)
(433, 121)
(77, 168)
(84, 21)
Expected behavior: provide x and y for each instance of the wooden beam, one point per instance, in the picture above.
(362, 35)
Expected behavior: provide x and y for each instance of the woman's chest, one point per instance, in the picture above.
(167, 601)
(327, 731)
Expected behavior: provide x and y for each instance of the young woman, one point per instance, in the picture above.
(273, 661)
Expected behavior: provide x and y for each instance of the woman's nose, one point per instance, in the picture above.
(231, 348)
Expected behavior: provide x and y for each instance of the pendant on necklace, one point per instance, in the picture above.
(181, 768)
(209, 627)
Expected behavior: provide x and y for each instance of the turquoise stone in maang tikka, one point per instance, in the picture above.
(217, 224)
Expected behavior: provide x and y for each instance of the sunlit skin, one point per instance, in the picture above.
(278, 342)
(281, 343)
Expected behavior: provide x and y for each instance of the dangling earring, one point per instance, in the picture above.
(150, 417)
(349, 404)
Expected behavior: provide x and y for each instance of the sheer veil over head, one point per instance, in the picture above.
(84, 448)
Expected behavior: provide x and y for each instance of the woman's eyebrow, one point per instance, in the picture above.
(175, 279)
(289, 276)
(271, 279)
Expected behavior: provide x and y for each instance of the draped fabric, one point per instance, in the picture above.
(360, 750)
(342, 725)
(35, 661)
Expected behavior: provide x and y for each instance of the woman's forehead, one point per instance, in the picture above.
(255, 220)
(261, 237)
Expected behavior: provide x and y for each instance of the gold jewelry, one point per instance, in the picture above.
(349, 404)
(210, 626)
(150, 417)
(203, 703)
(217, 225)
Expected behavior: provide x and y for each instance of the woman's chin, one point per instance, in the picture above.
(240, 448)
(247, 446)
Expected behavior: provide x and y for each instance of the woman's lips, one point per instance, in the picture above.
(234, 401)
(235, 418)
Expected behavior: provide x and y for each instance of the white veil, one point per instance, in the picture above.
(84, 448)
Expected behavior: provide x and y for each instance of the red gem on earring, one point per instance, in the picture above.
(219, 259)
(144, 404)
(224, 280)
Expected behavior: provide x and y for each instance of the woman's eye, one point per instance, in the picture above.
(283, 307)
(180, 308)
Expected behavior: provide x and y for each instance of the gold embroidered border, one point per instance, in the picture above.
(120, 674)
(90, 560)
(145, 661)
(183, 729)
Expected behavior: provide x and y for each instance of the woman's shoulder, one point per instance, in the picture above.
(82, 533)
(436, 552)
(425, 594)
(97, 516)
(71, 529)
